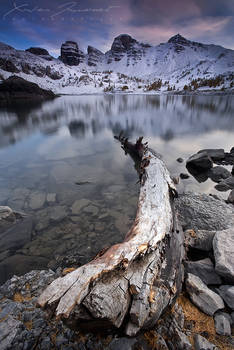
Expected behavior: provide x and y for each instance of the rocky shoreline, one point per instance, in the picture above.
(202, 318)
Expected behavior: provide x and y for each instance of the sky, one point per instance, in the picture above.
(48, 23)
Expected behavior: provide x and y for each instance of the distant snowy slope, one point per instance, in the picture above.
(128, 66)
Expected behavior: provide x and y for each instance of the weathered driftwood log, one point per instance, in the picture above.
(133, 282)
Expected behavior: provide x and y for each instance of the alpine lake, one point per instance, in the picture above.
(62, 167)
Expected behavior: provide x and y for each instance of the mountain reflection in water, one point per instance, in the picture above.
(60, 164)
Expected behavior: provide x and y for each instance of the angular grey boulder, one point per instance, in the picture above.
(223, 245)
(204, 298)
(227, 293)
(200, 239)
(202, 343)
(202, 212)
(204, 269)
(222, 323)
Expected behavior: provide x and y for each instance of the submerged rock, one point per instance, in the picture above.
(223, 245)
(203, 297)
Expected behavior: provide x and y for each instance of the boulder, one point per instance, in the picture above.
(204, 298)
(202, 212)
(222, 323)
(7, 217)
(199, 239)
(227, 293)
(214, 154)
(200, 162)
(204, 269)
(218, 173)
(202, 343)
(223, 245)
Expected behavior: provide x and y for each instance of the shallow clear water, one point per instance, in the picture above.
(60, 163)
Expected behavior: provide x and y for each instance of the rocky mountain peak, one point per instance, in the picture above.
(71, 54)
(94, 56)
(122, 43)
(39, 51)
(178, 39)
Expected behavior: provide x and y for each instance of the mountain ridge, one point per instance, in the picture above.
(129, 65)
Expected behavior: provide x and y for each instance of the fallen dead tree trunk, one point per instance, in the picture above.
(133, 282)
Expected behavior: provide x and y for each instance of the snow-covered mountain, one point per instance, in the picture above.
(128, 66)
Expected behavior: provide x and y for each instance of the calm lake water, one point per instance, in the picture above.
(60, 164)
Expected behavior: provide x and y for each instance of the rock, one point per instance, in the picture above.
(16, 88)
(225, 185)
(218, 173)
(204, 269)
(71, 54)
(7, 217)
(57, 213)
(51, 197)
(214, 154)
(79, 204)
(20, 264)
(8, 331)
(200, 162)
(180, 160)
(227, 293)
(184, 176)
(180, 340)
(202, 343)
(223, 245)
(231, 197)
(203, 212)
(37, 200)
(204, 298)
(91, 209)
(201, 239)
(17, 235)
(123, 344)
(222, 323)
(232, 316)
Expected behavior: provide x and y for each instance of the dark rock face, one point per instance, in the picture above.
(214, 154)
(38, 51)
(227, 293)
(178, 39)
(125, 44)
(71, 54)
(222, 323)
(19, 88)
(199, 162)
(8, 66)
(202, 343)
(94, 56)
